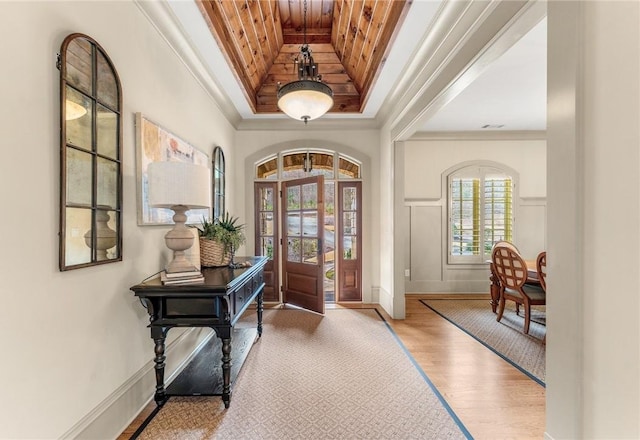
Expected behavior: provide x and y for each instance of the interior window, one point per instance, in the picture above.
(480, 212)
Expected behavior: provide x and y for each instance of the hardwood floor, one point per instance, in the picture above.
(493, 399)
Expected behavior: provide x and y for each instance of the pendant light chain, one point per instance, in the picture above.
(304, 22)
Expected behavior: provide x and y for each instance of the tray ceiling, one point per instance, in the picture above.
(261, 38)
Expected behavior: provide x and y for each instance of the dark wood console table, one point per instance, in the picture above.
(218, 303)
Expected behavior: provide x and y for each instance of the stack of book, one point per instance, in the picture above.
(174, 278)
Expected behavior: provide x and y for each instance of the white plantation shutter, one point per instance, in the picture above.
(480, 213)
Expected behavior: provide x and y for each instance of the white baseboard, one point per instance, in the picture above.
(112, 416)
(450, 286)
(385, 300)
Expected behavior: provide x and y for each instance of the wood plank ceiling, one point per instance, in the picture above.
(349, 39)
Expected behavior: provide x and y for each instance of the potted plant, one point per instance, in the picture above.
(219, 240)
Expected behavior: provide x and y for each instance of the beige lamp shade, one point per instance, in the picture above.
(179, 183)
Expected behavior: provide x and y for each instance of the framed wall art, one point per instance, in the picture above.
(156, 144)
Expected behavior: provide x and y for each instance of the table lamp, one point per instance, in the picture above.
(179, 186)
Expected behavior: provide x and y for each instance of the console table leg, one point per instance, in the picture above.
(226, 371)
(260, 308)
(160, 397)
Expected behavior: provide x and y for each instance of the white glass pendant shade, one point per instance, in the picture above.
(305, 100)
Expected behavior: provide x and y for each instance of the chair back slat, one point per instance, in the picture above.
(504, 243)
(509, 266)
(541, 266)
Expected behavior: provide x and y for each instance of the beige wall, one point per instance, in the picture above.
(75, 342)
(74, 345)
(593, 348)
(426, 163)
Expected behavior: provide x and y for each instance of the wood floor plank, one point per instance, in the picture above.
(492, 398)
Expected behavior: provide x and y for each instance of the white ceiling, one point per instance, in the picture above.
(511, 92)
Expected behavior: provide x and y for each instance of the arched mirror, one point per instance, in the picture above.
(218, 182)
(90, 155)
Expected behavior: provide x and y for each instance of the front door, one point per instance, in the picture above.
(302, 245)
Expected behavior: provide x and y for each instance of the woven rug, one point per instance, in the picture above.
(505, 338)
(344, 375)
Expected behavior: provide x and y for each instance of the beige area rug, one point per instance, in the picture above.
(526, 352)
(343, 375)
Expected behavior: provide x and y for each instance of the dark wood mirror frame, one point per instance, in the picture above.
(218, 181)
(90, 155)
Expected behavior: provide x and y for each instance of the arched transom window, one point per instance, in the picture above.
(305, 163)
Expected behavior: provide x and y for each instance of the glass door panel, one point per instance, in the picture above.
(266, 236)
(350, 251)
(329, 242)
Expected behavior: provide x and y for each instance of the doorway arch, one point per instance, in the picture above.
(316, 152)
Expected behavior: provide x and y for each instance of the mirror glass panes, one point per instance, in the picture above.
(90, 155)
(107, 135)
(218, 179)
(79, 119)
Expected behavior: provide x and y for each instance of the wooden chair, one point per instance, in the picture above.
(494, 289)
(512, 272)
(541, 267)
(505, 243)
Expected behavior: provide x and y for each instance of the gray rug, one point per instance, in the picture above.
(526, 352)
(344, 375)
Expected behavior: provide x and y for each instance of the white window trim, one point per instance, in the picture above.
(481, 169)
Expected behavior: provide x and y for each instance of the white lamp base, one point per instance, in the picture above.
(179, 239)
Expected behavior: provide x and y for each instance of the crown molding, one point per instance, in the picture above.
(324, 123)
(479, 135)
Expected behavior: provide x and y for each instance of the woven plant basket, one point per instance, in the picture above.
(212, 254)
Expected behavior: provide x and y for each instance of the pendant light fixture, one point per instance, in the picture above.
(307, 98)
